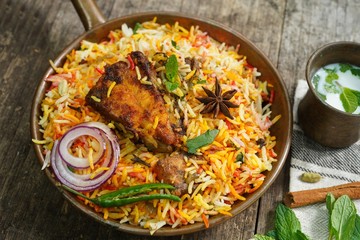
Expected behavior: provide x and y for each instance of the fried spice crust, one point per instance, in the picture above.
(135, 105)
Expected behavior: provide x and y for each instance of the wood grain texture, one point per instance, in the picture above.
(34, 31)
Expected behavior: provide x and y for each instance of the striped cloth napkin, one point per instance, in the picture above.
(336, 166)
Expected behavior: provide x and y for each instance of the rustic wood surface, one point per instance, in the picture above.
(34, 31)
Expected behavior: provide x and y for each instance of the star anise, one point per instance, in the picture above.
(216, 101)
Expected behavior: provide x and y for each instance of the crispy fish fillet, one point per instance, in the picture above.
(139, 107)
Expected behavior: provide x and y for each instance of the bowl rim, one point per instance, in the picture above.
(164, 231)
(317, 53)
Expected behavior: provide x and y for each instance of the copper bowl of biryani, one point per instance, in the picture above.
(161, 123)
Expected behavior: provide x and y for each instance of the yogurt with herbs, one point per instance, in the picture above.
(338, 85)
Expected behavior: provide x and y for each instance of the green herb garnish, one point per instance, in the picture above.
(344, 223)
(342, 218)
(171, 86)
(136, 27)
(201, 140)
(349, 100)
(240, 158)
(331, 76)
(344, 67)
(171, 68)
(355, 71)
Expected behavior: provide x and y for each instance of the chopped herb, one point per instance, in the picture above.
(171, 68)
(349, 100)
(331, 76)
(201, 140)
(240, 158)
(137, 27)
(316, 80)
(344, 67)
(331, 88)
(171, 86)
(201, 81)
(173, 43)
(355, 71)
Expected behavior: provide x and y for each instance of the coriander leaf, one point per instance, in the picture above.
(331, 77)
(286, 222)
(343, 217)
(171, 68)
(344, 67)
(173, 43)
(136, 27)
(356, 233)
(262, 237)
(349, 100)
(355, 71)
(201, 140)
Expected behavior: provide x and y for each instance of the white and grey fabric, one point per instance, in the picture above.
(336, 166)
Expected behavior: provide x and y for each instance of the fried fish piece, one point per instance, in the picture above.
(139, 107)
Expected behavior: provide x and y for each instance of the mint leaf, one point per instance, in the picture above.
(349, 100)
(298, 235)
(331, 88)
(331, 77)
(343, 217)
(170, 86)
(316, 80)
(272, 234)
(355, 71)
(344, 67)
(201, 140)
(330, 200)
(357, 94)
(356, 233)
(286, 222)
(171, 68)
(262, 237)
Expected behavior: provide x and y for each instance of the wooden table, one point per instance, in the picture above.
(34, 31)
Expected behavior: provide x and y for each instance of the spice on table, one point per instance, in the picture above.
(308, 197)
(310, 177)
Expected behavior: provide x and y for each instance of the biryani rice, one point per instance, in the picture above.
(221, 178)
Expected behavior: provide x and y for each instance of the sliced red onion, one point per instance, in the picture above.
(68, 139)
(84, 182)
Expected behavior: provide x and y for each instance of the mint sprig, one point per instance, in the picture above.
(344, 223)
(349, 100)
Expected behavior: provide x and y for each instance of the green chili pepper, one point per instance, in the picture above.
(125, 196)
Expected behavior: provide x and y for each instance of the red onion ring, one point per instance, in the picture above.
(85, 182)
(67, 140)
